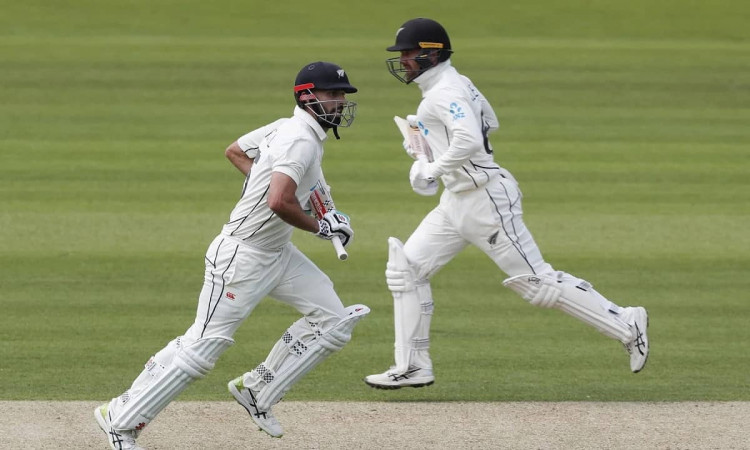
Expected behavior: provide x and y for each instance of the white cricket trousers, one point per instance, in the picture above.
(490, 217)
(238, 276)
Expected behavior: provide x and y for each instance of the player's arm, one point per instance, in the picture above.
(282, 200)
(242, 152)
(466, 136)
(239, 158)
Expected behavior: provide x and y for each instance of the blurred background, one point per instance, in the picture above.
(626, 125)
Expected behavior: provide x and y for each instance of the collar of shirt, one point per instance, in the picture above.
(430, 78)
(310, 120)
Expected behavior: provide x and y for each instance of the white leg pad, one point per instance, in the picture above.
(301, 348)
(165, 376)
(412, 310)
(412, 316)
(575, 297)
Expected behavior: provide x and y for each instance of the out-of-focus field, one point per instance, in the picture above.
(626, 125)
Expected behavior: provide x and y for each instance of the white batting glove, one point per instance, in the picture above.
(421, 178)
(335, 223)
(409, 150)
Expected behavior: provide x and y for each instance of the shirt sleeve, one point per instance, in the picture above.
(296, 160)
(464, 129)
(250, 142)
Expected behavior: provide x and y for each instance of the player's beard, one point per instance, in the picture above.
(411, 73)
(335, 117)
(331, 118)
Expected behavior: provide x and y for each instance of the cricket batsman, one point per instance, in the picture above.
(481, 206)
(252, 258)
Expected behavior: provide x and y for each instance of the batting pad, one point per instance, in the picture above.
(166, 375)
(292, 357)
(573, 296)
(412, 310)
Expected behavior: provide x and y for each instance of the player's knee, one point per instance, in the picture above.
(163, 358)
(199, 357)
(539, 290)
(399, 273)
(339, 335)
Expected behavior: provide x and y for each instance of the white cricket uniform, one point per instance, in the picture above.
(250, 259)
(253, 257)
(481, 203)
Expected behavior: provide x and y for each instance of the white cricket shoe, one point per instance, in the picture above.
(246, 397)
(638, 347)
(390, 379)
(118, 439)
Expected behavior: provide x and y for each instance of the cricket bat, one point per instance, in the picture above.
(321, 202)
(416, 141)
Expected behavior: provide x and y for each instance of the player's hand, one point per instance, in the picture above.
(421, 178)
(335, 223)
(409, 150)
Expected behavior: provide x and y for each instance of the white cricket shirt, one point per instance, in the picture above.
(456, 119)
(293, 146)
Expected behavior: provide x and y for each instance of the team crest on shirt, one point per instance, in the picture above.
(456, 111)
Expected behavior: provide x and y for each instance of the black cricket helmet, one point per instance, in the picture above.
(326, 76)
(420, 33)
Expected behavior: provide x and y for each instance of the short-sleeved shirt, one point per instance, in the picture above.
(292, 146)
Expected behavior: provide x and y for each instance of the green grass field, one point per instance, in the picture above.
(627, 125)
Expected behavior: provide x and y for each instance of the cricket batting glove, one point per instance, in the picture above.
(421, 178)
(335, 223)
(409, 150)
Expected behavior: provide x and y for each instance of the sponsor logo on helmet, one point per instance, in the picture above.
(430, 45)
(341, 73)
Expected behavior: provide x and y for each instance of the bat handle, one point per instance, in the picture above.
(340, 251)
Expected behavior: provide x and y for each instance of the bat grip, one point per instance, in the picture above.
(340, 251)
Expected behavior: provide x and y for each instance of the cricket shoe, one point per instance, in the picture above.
(118, 439)
(390, 379)
(638, 347)
(247, 398)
